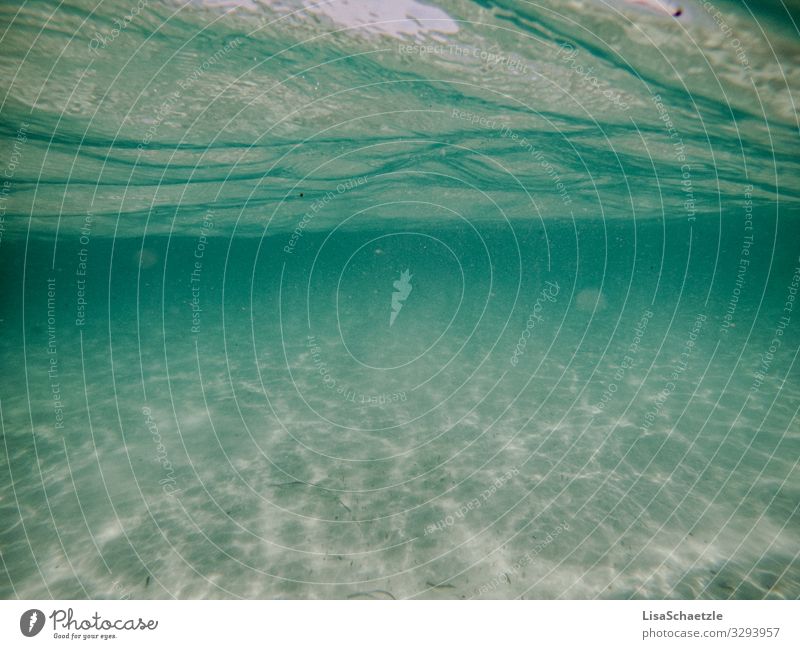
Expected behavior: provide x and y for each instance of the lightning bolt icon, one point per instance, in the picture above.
(32, 621)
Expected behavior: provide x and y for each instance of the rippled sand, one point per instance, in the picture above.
(609, 462)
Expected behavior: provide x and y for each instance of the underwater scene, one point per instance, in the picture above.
(399, 299)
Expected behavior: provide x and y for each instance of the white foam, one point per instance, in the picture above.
(399, 18)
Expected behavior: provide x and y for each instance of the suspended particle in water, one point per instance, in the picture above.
(590, 299)
(146, 258)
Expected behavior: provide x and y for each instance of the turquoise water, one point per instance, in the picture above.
(385, 300)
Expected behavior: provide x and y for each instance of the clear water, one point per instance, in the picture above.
(218, 382)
